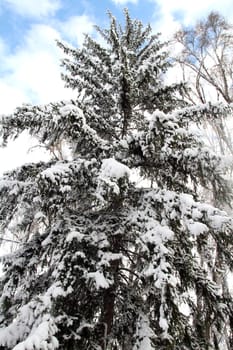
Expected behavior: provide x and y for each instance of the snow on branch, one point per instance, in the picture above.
(112, 179)
(208, 110)
(49, 123)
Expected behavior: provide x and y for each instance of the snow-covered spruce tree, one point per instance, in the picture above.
(104, 264)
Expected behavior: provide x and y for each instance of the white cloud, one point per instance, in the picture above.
(11, 97)
(33, 71)
(33, 8)
(171, 14)
(32, 75)
(124, 2)
(24, 149)
(75, 27)
(167, 25)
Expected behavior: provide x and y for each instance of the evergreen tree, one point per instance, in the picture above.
(105, 264)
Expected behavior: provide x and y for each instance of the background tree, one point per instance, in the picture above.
(206, 60)
(106, 264)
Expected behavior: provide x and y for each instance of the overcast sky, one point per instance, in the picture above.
(29, 58)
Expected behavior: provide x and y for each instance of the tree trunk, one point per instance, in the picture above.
(107, 315)
(126, 105)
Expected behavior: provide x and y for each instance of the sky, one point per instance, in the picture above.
(30, 60)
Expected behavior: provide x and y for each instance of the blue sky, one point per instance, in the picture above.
(17, 16)
(29, 69)
(29, 56)
(30, 60)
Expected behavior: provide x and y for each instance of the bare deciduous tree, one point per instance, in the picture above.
(206, 60)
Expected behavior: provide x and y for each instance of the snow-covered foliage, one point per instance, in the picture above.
(102, 263)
